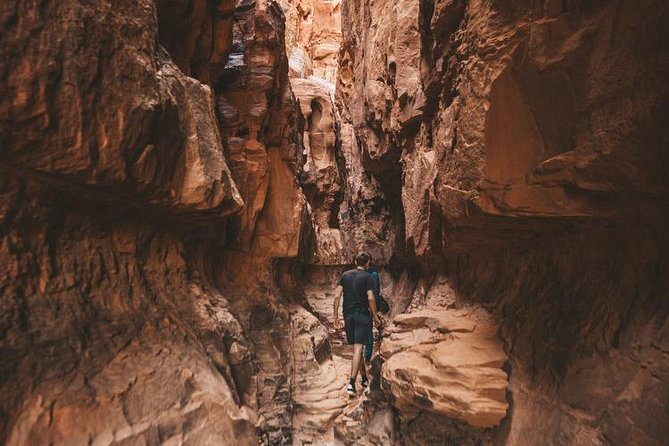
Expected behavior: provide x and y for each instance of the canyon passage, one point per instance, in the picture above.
(183, 182)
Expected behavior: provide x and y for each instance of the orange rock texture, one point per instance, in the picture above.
(141, 141)
(182, 182)
(529, 138)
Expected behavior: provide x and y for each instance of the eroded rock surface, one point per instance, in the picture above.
(313, 38)
(321, 177)
(62, 117)
(110, 335)
(257, 114)
(319, 388)
(116, 182)
(448, 362)
(181, 185)
(529, 143)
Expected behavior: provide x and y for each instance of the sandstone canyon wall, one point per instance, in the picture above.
(182, 182)
(124, 181)
(529, 137)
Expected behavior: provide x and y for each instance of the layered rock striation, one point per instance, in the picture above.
(442, 361)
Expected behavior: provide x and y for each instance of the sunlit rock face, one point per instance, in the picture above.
(321, 177)
(518, 148)
(257, 114)
(313, 38)
(444, 368)
(442, 361)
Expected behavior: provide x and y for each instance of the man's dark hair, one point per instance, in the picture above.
(361, 259)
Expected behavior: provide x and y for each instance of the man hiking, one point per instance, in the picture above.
(381, 307)
(358, 289)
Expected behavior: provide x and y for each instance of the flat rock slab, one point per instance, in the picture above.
(447, 362)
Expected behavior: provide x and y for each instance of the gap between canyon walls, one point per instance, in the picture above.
(181, 183)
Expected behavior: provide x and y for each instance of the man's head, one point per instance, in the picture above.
(362, 259)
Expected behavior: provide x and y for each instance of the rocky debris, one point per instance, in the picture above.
(367, 422)
(324, 414)
(272, 374)
(319, 394)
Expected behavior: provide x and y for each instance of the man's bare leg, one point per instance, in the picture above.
(357, 360)
(363, 366)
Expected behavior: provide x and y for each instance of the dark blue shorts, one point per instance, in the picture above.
(357, 325)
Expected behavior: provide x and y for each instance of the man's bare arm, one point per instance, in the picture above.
(372, 306)
(338, 293)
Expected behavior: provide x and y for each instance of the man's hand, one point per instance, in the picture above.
(377, 321)
(337, 323)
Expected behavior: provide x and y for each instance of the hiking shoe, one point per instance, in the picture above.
(364, 383)
(351, 390)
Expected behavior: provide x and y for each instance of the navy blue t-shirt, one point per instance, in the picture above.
(356, 283)
(377, 283)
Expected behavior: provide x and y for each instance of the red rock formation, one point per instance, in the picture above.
(179, 190)
(321, 178)
(197, 35)
(348, 207)
(313, 37)
(115, 185)
(62, 117)
(528, 138)
(257, 117)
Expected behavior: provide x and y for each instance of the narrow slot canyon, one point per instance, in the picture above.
(182, 183)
